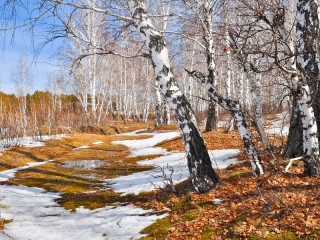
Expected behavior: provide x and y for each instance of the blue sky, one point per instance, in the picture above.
(41, 66)
(25, 43)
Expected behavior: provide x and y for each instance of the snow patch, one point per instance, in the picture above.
(217, 201)
(144, 147)
(36, 215)
(81, 147)
(8, 174)
(153, 179)
(32, 142)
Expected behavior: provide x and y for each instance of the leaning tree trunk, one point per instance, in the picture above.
(307, 64)
(200, 168)
(235, 108)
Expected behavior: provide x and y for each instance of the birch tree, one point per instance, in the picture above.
(200, 168)
(235, 108)
(304, 73)
(204, 13)
(22, 78)
(308, 13)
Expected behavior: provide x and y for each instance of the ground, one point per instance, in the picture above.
(276, 206)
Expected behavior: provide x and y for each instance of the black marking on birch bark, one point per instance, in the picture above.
(139, 11)
(144, 29)
(157, 42)
(174, 101)
(179, 99)
(165, 71)
(172, 82)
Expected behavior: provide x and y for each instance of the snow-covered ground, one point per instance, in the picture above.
(147, 146)
(150, 180)
(81, 147)
(8, 174)
(279, 126)
(35, 214)
(31, 141)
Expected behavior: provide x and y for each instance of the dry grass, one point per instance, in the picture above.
(78, 186)
(218, 139)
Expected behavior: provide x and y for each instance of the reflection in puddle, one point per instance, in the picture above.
(84, 164)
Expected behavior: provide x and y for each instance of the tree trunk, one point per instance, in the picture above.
(158, 120)
(212, 117)
(308, 34)
(200, 168)
(235, 108)
(166, 112)
(309, 126)
(257, 106)
(307, 64)
(294, 145)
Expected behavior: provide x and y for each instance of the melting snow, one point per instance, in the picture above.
(36, 215)
(146, 146)
(280, 126)
(8, 174)
(82, 147)
(31, 141)
(217, 201)
(150, 180)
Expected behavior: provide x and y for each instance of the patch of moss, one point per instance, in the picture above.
(90, 200)
(236, 175)
(207, 204)
(284, 236)
(240, 218)
(182, 205)
(209, 233)
(189, 216)
(314, 235)
(255, 236)
(158, 230)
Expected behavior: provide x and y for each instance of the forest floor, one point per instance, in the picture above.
(83, 177)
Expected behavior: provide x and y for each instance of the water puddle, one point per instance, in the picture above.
(84, 164)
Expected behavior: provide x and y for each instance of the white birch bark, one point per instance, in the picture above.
(158, 121)
(308, 13)
(257, 106)
(166, 113)
(229, 70)
(212, 117)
